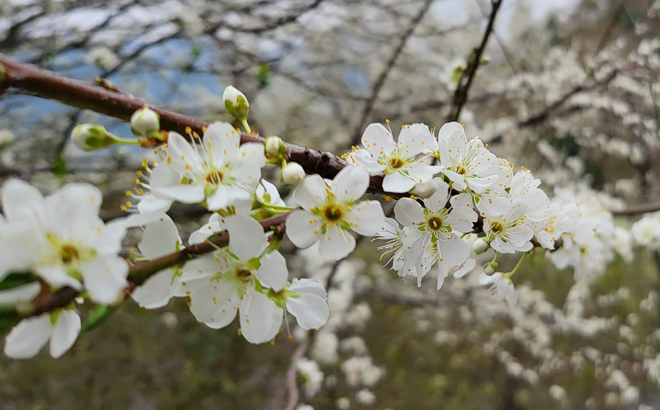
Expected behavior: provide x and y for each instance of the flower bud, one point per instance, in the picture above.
(236, 103)
(490, 268)
(145, 122)
(293, 173)
(273, 145)
(426, 189)
(92, 137)
(479, 246)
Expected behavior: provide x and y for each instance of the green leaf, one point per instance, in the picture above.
(457, 74)
(98, 315)
(264, 74)
(59, 166)
(16, 279)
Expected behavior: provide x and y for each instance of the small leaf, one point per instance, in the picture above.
(98, 315)
(264, 74)
(59, 166)
(14, 280)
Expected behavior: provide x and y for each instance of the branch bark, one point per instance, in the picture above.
(474, 61)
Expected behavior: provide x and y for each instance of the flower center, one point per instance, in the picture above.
(396, 163)
(245, 275)
(333, 213)
(461, 169)
(214, 177)
(435, 223)
(496, 227)
(69, 253)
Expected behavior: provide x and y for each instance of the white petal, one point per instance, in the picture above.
(453, 251)
(273, 272)
(109, 241)
(72, 212)
(260, 317)
(336, 243)
(247, 239)
(65, 333)
(166, 183)
(159, 238)
(311, 192)
(105, 278)
(156, 291)
(248, 163)
(351, 183)
(20, 293)
(443, 272)
(221, 140)
(55, 275)
(438, 200)
(183, 155)
(306, 285)
(22, 202)
(378, 140)
(226, 196)
(303, 229)
(416, 139)
(366, 218)
(28, 337)
(409, 212)
(311, 311)
(397, 183)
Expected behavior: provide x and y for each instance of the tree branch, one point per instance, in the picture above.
(138, 273)
(380, 81)
(474, 61)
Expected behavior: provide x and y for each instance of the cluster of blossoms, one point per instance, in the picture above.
(457, 201)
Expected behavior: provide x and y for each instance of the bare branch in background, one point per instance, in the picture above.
(380, 80)
(474, 61)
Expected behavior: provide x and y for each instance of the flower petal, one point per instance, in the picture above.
(397, 183)
(28, 337)
(351, 183)
(156, 291)
(303, 229)
(378, 140)
(221, 140)
(260, 317)
(311, 192)
(366, 218)
(65, 332)
(159, 238)
(311, 311)
(226, 196)
(336, 243)
(409, 212)
(273, 272)
(247, 239)
(105, 278)
(415, 139)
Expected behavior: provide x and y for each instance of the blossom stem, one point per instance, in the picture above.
(515, 269)
(246, 125)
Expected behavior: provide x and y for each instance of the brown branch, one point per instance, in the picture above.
(138, 273)
(46, 84)
(380, 81)
(552, 109)
(638, 209)
(474, 61)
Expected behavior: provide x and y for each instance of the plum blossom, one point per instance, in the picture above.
(61, 239)
(216, 171)
(508, 233)
(399, 161)
(60, 327)
(431, 231)
(330, 213)
(503, 285)
(472, 169)
(233, 278)
(159, 239)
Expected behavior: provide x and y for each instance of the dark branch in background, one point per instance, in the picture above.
(46, 84)
(138, 273)
(380, 80)
(637, 209)
(474, 61)
(552, 109)
(280, 22)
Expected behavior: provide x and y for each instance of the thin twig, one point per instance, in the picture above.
(380, 80)
(474, 61)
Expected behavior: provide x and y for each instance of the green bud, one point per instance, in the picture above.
(92, 137)
(236, 103)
